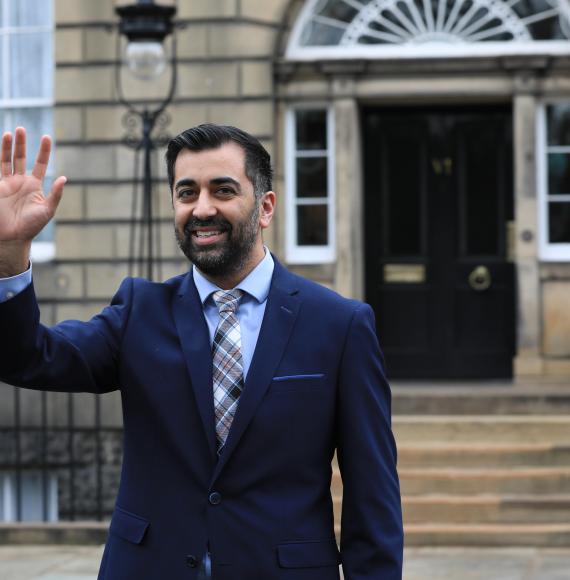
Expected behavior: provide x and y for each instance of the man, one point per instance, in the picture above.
(239, 380)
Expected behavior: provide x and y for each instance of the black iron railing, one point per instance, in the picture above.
(60, 456)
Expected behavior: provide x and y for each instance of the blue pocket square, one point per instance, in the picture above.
(298, 377)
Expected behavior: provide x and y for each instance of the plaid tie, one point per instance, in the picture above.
(228, 367)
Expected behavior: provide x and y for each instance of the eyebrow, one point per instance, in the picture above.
(188, 182)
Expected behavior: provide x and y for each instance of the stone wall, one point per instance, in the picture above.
(225, 51)
(225, 54)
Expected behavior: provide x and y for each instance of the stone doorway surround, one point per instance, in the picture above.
(521, 81)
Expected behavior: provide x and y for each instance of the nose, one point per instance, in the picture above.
(204, 207)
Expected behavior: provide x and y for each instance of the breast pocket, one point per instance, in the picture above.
(301, 383)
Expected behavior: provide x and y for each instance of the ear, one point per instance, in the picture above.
(266, 208)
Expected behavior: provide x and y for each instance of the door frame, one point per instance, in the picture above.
(348, 96)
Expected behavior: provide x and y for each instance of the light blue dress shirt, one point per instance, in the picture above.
(250, 311)
(251, 307)
(9, 287)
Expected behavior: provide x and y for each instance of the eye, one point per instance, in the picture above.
(225, 191)
(185, 193)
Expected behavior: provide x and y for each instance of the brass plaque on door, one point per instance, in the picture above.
(404, 273)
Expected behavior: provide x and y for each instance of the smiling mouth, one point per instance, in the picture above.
(207, 234)
(208, 237)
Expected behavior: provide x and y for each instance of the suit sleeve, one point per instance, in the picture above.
(371, 527)
(72, 356)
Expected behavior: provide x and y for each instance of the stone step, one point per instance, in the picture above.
(410, 429)
(481, 509)
(518, 480)
(485, 535)
(493, 535)
(467, 481)
(480, 399)
(69, 533)
(487, 509)
(483, 455)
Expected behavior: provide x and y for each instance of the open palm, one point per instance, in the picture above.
(24, 210)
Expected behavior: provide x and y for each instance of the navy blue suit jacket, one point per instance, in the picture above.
(316, 384)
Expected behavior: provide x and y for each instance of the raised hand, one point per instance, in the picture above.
(24, 210)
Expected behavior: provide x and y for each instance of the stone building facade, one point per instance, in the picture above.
(243, 62)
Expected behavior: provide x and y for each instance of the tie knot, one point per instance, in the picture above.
(227, 300)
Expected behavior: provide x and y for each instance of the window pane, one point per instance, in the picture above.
(29, 12)
(558, 121)
(311, 130)
(317, 34)
(558, 173)
(559, 223)
(38, 122)
(3, 87)
(312, 177)
(544, 28)
(31, 72)
(312, 225)
(337, 10)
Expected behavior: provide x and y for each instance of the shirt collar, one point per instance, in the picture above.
(256, 283)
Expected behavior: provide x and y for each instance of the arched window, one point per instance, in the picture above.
(420, 28)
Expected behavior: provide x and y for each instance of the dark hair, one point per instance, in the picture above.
(210, 136)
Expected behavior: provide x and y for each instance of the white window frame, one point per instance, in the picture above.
(42, 251)
(548, 252)
(294, 252)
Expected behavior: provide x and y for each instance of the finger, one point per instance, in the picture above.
(6, 155)
(20, 151)
(42, 160)
(56, 193)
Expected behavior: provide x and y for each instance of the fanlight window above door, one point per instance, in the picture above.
(394, 28)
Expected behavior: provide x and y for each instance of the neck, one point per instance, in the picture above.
(232, 279)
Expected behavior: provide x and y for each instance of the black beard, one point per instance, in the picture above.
(228, 256)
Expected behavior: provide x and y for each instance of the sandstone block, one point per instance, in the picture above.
(256, 78)
(207, 8)
(208, 80)
(235, 40)
(273, 11)
(80, 242)
(556, 318)
(79, 84)
(103, 280)
(68, 45)
(256, 117)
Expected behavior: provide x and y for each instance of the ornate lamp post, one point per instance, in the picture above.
(145, 26)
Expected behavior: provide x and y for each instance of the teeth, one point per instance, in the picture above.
(206, 234)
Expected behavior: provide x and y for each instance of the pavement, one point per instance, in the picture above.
(81, 563)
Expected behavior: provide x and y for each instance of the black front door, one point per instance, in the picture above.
(438, 212)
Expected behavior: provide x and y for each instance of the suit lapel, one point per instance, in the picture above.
(280, 315)
(195, 341)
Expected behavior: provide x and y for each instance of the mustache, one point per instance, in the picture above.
(194, 223)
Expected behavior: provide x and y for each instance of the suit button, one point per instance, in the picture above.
(191, 561)
(215, 498)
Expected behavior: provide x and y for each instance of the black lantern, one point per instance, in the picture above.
(145, 26)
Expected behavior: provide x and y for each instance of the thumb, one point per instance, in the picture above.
(56, 193)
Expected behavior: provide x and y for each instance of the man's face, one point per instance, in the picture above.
(216, 216)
